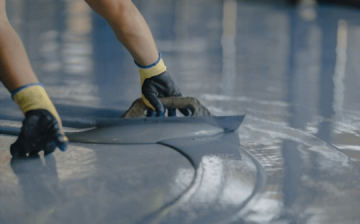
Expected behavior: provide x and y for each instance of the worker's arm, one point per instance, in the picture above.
(15, 66)
(133, 32)
(41, 128)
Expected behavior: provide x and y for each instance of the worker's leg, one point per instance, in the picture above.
(15, 69)
(130, 28)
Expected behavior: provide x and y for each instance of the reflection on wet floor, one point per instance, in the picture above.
(293, 71)
(87, 185)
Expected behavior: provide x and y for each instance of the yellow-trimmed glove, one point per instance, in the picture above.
(156, 82)
(42, 128)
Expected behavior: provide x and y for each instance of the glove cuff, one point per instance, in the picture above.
(34, 97)
(152, 70)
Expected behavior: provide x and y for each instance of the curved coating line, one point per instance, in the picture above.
(157, 217)
(261, 181)
(149, 218)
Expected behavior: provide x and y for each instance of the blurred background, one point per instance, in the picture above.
(294, 63)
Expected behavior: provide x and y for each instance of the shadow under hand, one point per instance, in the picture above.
(39, 183)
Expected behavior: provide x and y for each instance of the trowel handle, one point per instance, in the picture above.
(138, 108)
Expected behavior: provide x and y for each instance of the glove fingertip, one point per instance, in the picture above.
(62, 147)
(172, 112)
(185, 112)
(159, 113)
(34, 154)
(50, 149)
(62, 143)
(150, 113)
(16, 149)
(156, 103)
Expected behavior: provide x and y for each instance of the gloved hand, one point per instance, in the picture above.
(40, 131)
(156, 82)
(42, 128)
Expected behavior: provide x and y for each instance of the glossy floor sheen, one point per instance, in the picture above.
(91, 183)
(294, 73)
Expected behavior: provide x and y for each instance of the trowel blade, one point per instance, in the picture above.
(153, 130)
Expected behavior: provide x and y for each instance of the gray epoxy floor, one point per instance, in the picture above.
(90, 183)
(293, 71)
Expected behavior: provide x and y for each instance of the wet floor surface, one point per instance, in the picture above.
(293, 72)
(88, 185)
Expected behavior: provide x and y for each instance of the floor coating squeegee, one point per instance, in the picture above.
(133, 127)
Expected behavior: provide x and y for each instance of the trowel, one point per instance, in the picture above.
(135, 128)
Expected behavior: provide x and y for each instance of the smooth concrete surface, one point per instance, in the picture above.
(293, 72)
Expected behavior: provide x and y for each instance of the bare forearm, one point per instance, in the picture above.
(134, 33)
(130, 28)
(15, 67)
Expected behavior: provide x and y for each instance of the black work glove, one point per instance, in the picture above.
(159, 86)
(40, 131)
